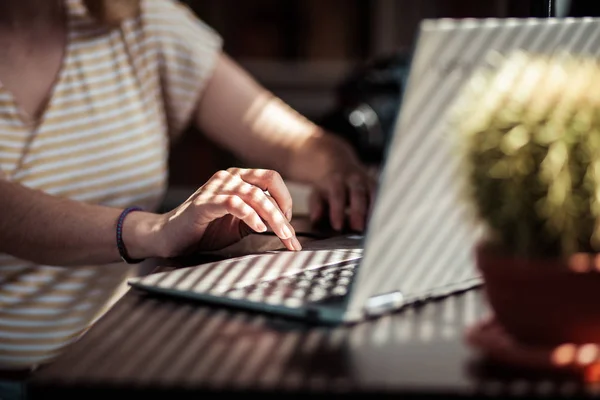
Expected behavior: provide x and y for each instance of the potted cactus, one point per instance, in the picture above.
(529, 134)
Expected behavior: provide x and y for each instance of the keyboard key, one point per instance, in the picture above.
(293, 302)
(299, 293)
(316, 296)
(343, 281)
(237, 293)
(324, 282)
(317, 289)
(274, 300)
(339, 290)
(303, 284)
(258, 295)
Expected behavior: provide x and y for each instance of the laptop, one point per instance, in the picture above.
(420, 238)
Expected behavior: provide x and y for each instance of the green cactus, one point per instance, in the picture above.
(529, 134)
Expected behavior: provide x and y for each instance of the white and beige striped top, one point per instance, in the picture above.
(120, 96)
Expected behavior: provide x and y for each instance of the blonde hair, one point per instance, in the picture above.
(112, 12)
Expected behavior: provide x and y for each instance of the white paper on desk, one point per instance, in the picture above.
(217, 277)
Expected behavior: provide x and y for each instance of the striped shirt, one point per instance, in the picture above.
(120, 96)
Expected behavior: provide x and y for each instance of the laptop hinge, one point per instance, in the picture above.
(384, 303)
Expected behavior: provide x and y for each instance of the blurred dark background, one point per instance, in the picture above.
(339, 62)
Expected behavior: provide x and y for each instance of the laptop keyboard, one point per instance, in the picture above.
(311, 286)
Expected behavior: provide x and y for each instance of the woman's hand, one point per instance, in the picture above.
(344, 195)
(343, 189)
(229, 206)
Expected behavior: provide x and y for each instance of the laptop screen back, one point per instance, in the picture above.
(421, 235)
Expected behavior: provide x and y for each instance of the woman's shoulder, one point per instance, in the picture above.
(185, 51)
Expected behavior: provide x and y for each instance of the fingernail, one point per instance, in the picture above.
(288, 215)
(287, 233)
(296, 244)
(261, 227)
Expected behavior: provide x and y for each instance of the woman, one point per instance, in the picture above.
(91, 93)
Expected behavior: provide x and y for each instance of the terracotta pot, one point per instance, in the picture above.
(543, 301)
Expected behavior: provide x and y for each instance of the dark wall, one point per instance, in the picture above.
(586, 8)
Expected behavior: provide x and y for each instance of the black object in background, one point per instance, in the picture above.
(543, 8)
(577, 8)
(585, 8)
(367, 105)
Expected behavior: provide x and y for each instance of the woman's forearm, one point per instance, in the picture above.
(236, 112)
(50, 230)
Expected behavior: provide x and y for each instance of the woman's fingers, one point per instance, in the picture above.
(270, 181)
(269, 211)
(292, 241)
(336, 197)
(316, 206)
(235, 205)
(241, 190)
(221, 205)
(359, 202)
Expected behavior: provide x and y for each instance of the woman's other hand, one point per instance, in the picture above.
(343, 188)
(346, 195)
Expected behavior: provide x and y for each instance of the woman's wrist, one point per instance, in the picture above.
(141, 235)
(321, 156)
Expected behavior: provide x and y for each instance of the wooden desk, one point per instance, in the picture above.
(149, 345)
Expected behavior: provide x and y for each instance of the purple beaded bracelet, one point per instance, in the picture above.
(120, 244)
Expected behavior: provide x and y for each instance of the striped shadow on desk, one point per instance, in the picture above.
(165, 346)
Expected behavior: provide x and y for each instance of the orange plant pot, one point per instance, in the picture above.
(543, 301)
